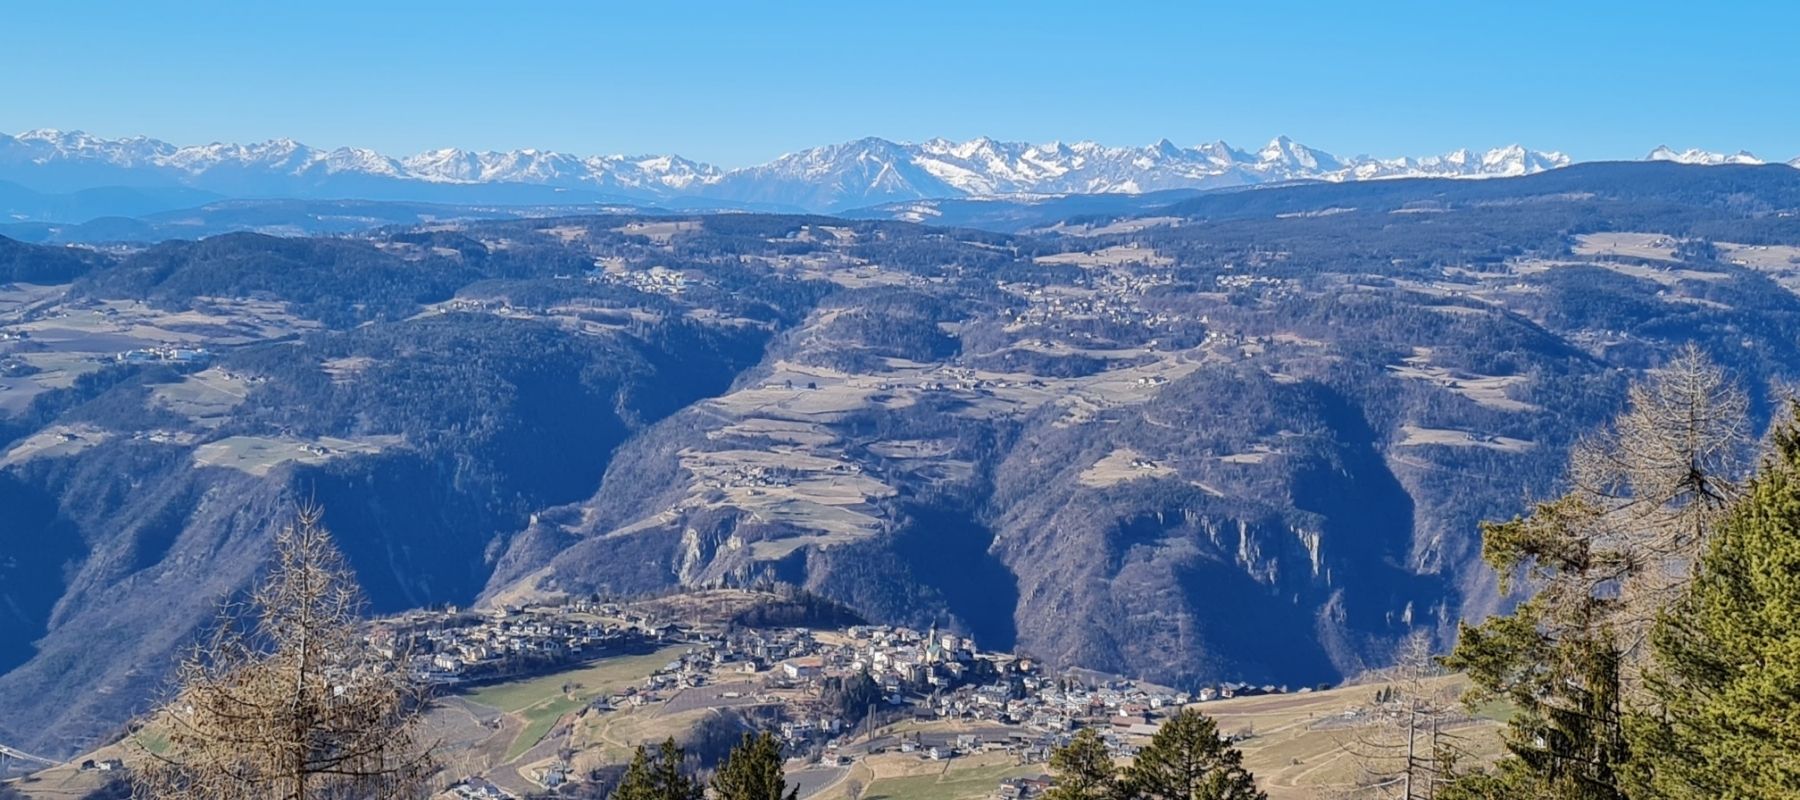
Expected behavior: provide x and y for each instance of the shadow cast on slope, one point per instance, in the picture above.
(949, 551)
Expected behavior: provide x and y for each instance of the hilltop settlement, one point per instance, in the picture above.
(835, 695)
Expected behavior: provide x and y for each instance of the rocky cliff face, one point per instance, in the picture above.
(1159, 537)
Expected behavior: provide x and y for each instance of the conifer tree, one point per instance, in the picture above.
(1557, 662)
(752, 771)
(637, 783)
(661, 775)
(1084, 769)
(1727, 669)
(672, 777)
(1186, 760)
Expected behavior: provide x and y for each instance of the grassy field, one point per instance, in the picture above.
(541, 701)
(539, 719)
(957, 779)
(1294, 757)
(205, 397)
(258, 455)
(611, 738)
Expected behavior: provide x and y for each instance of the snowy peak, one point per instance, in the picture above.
(362, 160)
(1696, 156)
(1221, 154)
(842, 175)
(267, 168)
(1286, 153)
(47, 145)
(1516, 160)
(833, 177)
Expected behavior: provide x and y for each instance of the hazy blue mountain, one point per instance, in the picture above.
(273, 217)
(18, 203)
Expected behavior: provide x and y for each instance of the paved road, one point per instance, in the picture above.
(815, 780)
(24, 756)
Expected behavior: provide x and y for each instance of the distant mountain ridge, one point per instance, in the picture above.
(836, 177)
(1696, 156)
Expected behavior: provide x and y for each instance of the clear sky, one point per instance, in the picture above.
(735, 83)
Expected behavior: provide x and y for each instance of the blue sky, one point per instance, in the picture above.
(736, 83)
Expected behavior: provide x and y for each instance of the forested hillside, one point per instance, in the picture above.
(1247, 436)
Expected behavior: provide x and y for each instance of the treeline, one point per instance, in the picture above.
(867, 326)
(85, 389)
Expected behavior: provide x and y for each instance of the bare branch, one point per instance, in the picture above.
(286, 699)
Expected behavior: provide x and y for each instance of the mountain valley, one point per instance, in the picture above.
(1233, 435)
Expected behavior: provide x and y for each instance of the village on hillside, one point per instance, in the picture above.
(932, 695)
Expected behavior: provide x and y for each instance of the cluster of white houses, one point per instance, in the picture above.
(1052, 309)
(453, 647)
(164, 353)
(1001, 701)
(655, 280)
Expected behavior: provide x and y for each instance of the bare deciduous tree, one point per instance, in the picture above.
(1400, 741)
(1656, 482)
(287, 699)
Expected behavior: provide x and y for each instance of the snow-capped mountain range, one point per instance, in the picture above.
(830, 178)
(1692, 156)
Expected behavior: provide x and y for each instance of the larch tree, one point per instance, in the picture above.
(1604, 559)
(287, 700)
(1726, 673)
(1659, 480)
(1187, 760)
